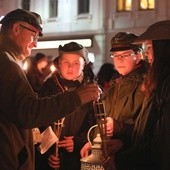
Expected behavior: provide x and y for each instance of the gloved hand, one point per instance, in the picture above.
(89, 92)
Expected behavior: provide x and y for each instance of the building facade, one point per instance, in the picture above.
(97, 20)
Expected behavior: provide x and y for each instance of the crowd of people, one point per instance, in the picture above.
(135, 88)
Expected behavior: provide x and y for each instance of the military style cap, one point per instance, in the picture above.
(157, 31)
(31, 18)
(74, 48)
(124, 41)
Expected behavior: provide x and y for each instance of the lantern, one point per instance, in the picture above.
(95, 159)
(99, 152)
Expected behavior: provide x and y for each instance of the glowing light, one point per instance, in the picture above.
(1, 17)
(56, 43)
(25, 66)
(91, 57)
(53, 68)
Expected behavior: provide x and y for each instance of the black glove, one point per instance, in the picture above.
(89, 92)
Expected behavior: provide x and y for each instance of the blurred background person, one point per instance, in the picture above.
(88, 71)
(38, 71)
(105, 74)
(149, 51)
(69, 76)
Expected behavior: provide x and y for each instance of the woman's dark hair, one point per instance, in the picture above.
(160, 67)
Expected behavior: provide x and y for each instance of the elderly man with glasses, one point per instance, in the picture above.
(20, 107)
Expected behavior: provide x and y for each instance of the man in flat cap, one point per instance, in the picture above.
(20, 107)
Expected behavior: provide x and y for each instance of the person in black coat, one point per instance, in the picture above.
(70, 75)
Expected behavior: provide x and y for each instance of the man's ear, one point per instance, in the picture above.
(15, 28)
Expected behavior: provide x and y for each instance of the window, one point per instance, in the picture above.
(146, 4)
(124, 5)
(83, 6)
(25, 4)
(53, 8)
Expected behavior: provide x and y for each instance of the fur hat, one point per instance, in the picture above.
(74, 48)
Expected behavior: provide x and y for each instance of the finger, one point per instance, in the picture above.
(82, 153)
(54, 162)
(66, 143)
(54, 166)
(70, 149)
(86, 153)
(68, 137)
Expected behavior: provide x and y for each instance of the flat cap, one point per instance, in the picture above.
(124, 41)
(157, 31)
(74, 48)
(31, 18)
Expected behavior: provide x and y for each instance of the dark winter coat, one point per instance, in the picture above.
(76, 124)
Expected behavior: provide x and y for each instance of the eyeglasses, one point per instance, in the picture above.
(35, 37)
(121, 56)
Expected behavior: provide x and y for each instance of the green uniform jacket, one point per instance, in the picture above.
(21, 110)
(124, 100)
